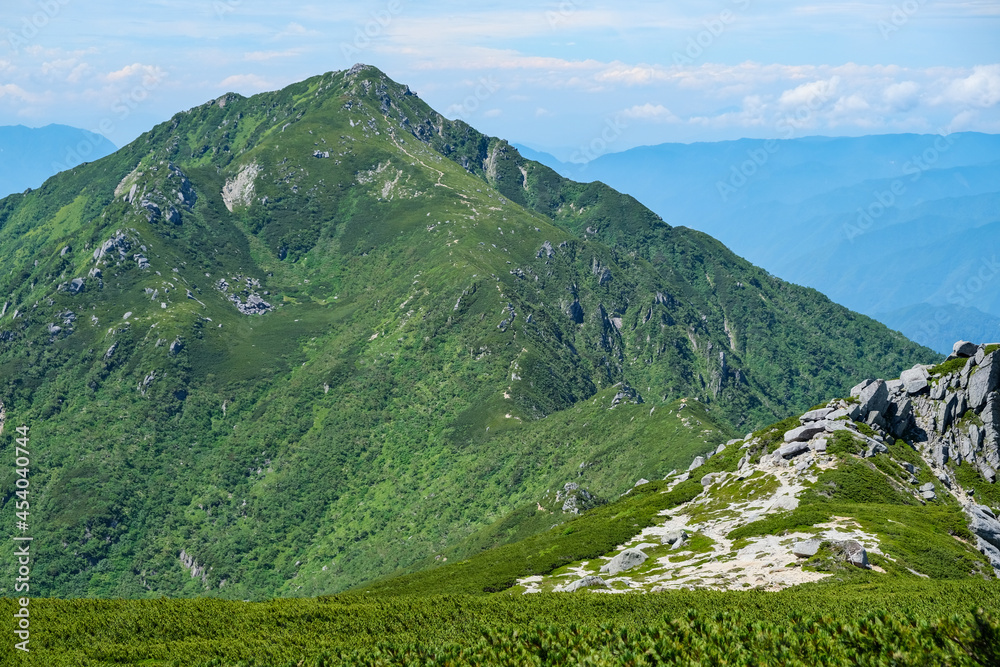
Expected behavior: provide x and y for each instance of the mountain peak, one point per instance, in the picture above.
(330, 297)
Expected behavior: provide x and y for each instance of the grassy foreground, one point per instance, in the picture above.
(892, 624)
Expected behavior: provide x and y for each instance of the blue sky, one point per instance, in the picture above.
(569, 76)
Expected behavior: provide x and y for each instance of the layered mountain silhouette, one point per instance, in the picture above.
(28, 156)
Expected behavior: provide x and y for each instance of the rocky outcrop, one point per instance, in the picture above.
(238, 191)
(984, 525)
(575, 311)
(626, 560)
(575, 499)
(586, 582)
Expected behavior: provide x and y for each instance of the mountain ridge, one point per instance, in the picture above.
(285, 344)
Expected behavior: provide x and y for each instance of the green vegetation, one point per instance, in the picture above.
(946, 367)
(429, 367)
(902, 623)
(587, 536)
(873, 494)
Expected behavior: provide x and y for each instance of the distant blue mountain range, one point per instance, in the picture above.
(904, 228)
(29, 156)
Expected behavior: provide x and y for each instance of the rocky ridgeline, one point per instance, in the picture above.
(951, 417)
(948, 414)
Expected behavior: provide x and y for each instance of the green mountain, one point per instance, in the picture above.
(286, 344)
(879, 223)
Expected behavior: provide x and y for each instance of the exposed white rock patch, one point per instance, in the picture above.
(239, 191)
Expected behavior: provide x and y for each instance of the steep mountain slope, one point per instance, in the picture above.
(896, 481)
(285, 344)
(28, 156)
(877, 223)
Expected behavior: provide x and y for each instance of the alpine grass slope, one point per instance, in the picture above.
(287, 344)
(895, 483)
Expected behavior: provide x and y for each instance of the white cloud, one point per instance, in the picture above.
(810, 95)
(149, 75)
(648, 111)
(902, 96)
(493, 113)
(979, 89)
(16, 92)
(79, 72)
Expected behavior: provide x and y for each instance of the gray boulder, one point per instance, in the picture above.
(793, 449)
(874, 448)
(75, 286)
(987, 472)
(875, 418)
(874, 398)
(806, 549)
(984, 381)
(805, 432)
(710, 478)
(902, 417)
(587, 582)
(626, 560)
(858, 388)
(674, 536)
(914, 380)
(938, 390)
(990, 551)
(983, 522)
(833, 427)
(698, 462)
(964, 349)
(836, 414)
(816, 415)
(946, 413)
(855, 554)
